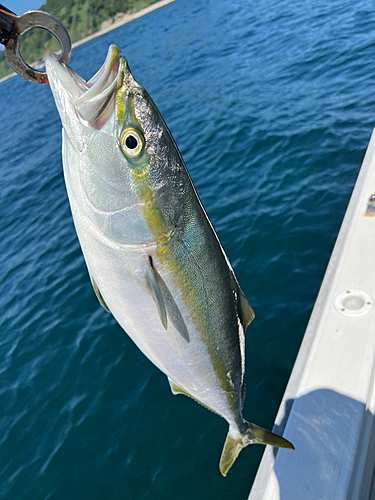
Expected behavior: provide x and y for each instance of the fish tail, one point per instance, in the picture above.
(251, 435)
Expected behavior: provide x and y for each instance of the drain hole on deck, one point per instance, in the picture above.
(353, 303)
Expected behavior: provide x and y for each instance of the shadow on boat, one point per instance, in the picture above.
(335, 448)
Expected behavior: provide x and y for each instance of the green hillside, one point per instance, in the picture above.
(80, 17)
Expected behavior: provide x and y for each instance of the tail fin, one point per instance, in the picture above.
(252, 435)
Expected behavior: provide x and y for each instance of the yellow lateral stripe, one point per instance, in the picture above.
(160, 233)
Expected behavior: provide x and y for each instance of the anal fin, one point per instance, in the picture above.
(98, 294)
(176, 389)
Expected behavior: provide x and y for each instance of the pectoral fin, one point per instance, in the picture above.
(245, 311)
(148, 277)
(98, 294)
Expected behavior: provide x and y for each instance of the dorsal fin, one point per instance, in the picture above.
(98, 294)
(245, 311)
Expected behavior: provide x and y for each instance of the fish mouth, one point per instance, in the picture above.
(94, 100)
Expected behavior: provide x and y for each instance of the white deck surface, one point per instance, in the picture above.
(328, 407)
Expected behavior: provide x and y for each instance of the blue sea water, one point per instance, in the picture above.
(272, 104)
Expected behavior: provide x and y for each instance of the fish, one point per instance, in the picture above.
(154, 259)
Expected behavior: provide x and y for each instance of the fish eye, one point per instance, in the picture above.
(131, 142)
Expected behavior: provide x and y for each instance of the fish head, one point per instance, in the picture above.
(113, 137)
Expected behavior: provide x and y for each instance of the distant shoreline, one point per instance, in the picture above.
(125, 20)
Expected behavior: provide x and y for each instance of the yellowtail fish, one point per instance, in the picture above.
(154, 259)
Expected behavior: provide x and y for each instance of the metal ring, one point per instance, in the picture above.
(36, 19)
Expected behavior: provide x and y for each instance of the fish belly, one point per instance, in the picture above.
(115, 270)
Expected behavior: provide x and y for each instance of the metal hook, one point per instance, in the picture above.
(12, 26)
